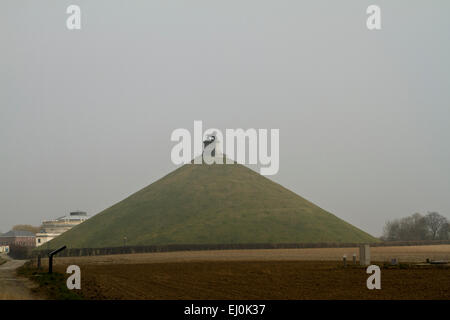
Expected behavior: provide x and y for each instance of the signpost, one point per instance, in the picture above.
(50, 258)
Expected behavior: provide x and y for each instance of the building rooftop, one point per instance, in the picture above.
(78, 213)
(72, 216)
(17, 233)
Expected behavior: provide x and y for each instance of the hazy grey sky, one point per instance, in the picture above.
(86, 116)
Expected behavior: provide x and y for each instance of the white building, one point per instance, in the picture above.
(50, 229)
(4, 249)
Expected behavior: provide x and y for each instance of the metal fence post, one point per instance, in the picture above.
(50, 258)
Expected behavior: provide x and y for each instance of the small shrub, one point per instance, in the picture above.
(51, 285)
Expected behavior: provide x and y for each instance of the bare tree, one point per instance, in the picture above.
(435, 223)
(417, 227)
(391, 230)
(404, 229)
(26, 227)
(444, 232)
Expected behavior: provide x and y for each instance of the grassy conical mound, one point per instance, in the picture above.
(211, 204)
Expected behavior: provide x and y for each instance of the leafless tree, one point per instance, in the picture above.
(435, 223)
(417, 227)
(26, 227)
(444, 233)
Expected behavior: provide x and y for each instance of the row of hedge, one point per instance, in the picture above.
(26, 253)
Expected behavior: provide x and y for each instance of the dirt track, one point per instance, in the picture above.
(13, 287)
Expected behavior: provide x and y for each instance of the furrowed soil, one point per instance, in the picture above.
(259, 280)
(262, 274)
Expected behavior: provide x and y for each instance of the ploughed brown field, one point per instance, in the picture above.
(262, 274)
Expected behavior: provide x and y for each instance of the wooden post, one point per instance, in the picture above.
(39, 262)
(354, 258)
(344, 258)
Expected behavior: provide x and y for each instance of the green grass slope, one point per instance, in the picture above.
(211, 204)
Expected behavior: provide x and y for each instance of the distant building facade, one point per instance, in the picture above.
(50, 229)
(4, 249)
(18, 238)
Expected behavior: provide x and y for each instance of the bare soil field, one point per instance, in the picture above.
(259, 280)
(262, 274)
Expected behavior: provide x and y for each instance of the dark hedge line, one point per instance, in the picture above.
(19, 252)
(27, 253)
